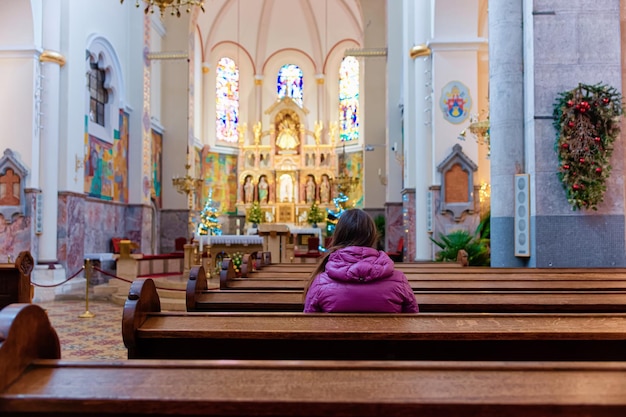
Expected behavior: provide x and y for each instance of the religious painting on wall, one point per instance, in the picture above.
(106, 165)
(220, 175)
(157, 167)
(354, 169)
(120, 160)
(455, 102)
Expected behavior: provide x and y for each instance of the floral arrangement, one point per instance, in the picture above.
(237, 258)
(587, 123)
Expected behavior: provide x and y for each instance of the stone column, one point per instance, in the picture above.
(506, 90)
(417, 156)
(51, 63)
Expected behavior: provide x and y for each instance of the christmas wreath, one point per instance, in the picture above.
(587, 123)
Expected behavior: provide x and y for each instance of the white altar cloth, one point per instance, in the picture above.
(229, 240)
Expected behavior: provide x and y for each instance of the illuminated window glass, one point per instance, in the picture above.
(289, 83)
(227, 100)
(349, 99)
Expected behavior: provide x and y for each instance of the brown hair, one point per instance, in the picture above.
(354, 228)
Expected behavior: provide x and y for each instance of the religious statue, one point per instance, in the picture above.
(309, 190)
(257, 132)
(241, 130)
(265, 160)
(325, 190)
(332, 133)
(263, 190)
(248, 190)
(286, 188)
(319, 126)
(287, 137)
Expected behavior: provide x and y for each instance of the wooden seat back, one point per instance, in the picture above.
(41, 384)
(15, 284)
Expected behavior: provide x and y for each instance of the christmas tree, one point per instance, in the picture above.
(255, 214)
(316, 215)
(208, 219)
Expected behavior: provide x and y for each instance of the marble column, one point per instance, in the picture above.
(506, 91)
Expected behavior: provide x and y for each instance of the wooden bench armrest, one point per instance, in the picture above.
(25, 335)
(142, 299)
(227, 272)
(196, 284)
(248, 264)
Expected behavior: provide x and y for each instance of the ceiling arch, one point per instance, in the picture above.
(264, 27)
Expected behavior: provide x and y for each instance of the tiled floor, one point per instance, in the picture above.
(99, 337)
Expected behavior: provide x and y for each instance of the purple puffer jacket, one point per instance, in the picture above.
(360, 280)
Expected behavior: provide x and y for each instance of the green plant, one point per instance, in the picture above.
(484, 227)
(477, 248)
(587, 123)
(315, 215)
(255, 214)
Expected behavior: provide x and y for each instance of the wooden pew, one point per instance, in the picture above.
(429, 302)
(480, 296)
(461, 280)
(151, 334)
(41, 385)
(466, 297)
(15, 286)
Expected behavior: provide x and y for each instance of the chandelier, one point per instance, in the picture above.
(174, 5)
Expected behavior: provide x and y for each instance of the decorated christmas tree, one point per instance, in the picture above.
(208, 218)
(255, 214)
(315, 215)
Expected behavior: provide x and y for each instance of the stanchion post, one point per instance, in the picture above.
(87, 314)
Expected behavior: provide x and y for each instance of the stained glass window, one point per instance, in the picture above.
(227, 100)
(289, 83)
(349, 99)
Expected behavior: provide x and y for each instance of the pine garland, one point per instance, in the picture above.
(587, 123)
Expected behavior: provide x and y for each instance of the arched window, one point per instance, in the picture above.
(98, 95)
(227, 100)
(289, 83)
(349, 99)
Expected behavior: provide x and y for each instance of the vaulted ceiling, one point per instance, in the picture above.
(264, 27)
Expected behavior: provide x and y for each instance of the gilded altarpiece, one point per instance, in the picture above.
(287, 165)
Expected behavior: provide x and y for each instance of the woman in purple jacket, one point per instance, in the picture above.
(353, 277)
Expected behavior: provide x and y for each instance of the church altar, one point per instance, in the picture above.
(307, 231)
(228, 240)
(218, 247)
